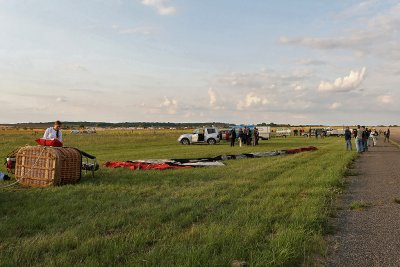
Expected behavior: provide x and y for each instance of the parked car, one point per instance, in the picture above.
(207, 135)
(315, 131)
(283, 132)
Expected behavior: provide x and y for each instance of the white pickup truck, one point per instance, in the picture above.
(208, 135)
(335, 132)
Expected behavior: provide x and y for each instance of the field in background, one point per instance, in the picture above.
(267, 211)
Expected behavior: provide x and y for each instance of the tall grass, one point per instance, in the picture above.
(266, 211)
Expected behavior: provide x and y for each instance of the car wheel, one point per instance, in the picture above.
(185, 141)
(211, 141)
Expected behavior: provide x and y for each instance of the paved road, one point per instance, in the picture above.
(370, 236)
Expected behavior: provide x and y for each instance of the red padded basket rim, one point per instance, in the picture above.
(46, 142)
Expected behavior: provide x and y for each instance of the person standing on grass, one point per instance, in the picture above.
(240, 137)
(355, 138)
(54, 132)
(257, 136)
(254, 136)
(233, 136)
(247, 135)
(347, 138)
(359, 140)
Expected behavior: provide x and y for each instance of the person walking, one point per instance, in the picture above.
(359, 140)
(347, 138)
(387, 135)
(365, 138)
(370, 141)
(233, 136)
(373, 136)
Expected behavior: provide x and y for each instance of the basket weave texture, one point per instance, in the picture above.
(42, 166)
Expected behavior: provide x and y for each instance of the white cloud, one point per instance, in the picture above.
(335, 105)
(60, 99)
(163, 6)
(251, 100)
(212, 96)
(297, 87)
(385, 99)
(213, 99)
(358, 9)
(171, 105)
(368, 35)
(345, 84)
(327, 43)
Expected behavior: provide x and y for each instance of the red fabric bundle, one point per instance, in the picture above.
(46, 142)
(141, 165)
(298, 150)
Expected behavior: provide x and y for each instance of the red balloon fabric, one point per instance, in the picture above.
(201, 162)
(299, 150)
(142, 166)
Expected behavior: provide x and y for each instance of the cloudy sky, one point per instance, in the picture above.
(298, 62)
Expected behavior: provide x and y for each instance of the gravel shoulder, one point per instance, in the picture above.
(368, 222)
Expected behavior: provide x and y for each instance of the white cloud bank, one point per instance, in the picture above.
(375, 34)
(345, 84)
(163, 7)
(212, 96)
(386, 99)
(213, 99)
(250, 100)
(335, 105)
(170, 105)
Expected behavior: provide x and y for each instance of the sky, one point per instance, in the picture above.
(297, 62)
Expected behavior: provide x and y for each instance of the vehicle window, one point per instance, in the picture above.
(211, 130)
(196, 131)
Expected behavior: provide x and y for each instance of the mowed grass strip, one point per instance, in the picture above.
(267, 211)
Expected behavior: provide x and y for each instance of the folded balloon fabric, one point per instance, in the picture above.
(163, 164)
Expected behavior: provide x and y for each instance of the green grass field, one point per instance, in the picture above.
(267, 212)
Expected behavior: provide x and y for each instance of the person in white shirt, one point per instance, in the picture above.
(54, 132)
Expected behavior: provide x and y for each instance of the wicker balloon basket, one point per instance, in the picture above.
(42, 166)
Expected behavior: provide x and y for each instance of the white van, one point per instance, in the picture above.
(264, 132)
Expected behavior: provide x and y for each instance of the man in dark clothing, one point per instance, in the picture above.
(365, 137)
(256, 136)
(241, 135)
(233, 136)
(359, 139)
(387, 135)
(347, 138)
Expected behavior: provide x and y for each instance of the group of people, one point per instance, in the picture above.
(298, 132)
(245, 136)
(364, 138)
